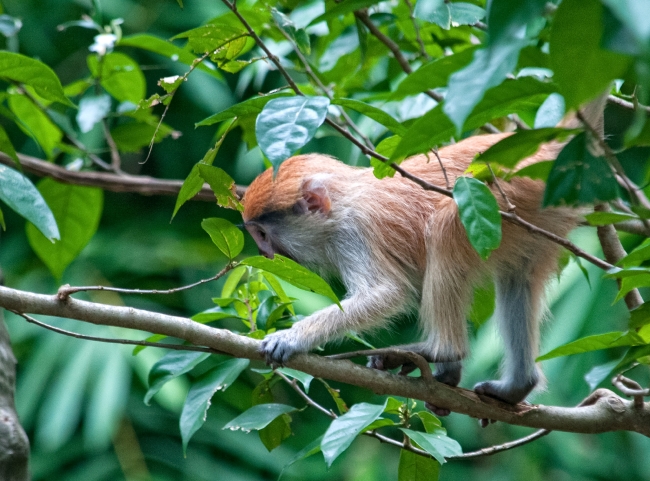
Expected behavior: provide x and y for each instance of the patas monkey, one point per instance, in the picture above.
(398, 247)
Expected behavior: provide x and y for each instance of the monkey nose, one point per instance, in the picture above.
(268, 253)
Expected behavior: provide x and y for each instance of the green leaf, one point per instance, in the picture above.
(511, 96)
(304, 378)
(374, 113)
(222, 41)
(92, 109)
(550, 112)
(167, 49)
(203, 388)
(638, 255)
(120, 75)
(309, 450)
(153, 338)
(430, 422)
(592, 343)
(386, 148)
(133, 136)
(7, 147)
(578, 177)
(640, 316)
(233, 281)
(215, 314)
(298, 35)
(536, 171)
(433, 74)
(170, 366)
(258, 417)
(598, 374)
(247, 108)
(345, 428)
(468, 86)
(277, 288)
(225, 235)
(479, 213)
(437, 444)
(222, 185)
(293, 273)
(35, 123)
(413, 467)
(192, 185)
(36, 74)
(605, 218)
(630, 283)
(575, 48)
(524, 143)
(77, 211)
(18, 192)
(446, 14)
(508, 18)
(287, 124)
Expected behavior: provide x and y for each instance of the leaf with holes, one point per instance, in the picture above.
(479, 213)
(203, 388)
(287, 124)
(258, 417)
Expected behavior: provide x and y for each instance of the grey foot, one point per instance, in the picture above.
(279, 347)
(447, 373)
(504, 391)
(390, 361)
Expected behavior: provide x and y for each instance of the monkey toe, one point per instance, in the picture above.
(437, 410)
(504, 391)
(388, 362)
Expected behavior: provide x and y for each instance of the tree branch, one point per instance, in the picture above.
(608, 412)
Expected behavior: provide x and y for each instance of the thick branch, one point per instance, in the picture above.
(608, 413)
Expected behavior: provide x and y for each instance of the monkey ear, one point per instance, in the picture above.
(315, 198)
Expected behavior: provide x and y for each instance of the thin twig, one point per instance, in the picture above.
(176, 347)
(612, 99)
(442, 167)
(414, 357)
(509, 205)
(631, 388)
(116, 161)
(502, 447)
(416, 27)
(66, 290)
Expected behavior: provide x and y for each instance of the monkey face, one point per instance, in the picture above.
(261, 238)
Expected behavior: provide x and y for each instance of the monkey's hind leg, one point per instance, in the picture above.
(518, 300)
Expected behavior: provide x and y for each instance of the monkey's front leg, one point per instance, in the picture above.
(361, 311)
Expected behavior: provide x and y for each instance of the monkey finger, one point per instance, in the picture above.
(407, 368)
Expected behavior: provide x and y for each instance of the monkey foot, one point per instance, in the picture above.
(504, 391)
(389, 361)
(436, 410)
(279, 347)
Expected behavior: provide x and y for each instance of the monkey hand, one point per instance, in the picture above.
(279, 347)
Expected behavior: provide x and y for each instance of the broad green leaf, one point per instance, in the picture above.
(120, 75)
(170, 366)
(575, 48)
(437, 444)
(344, 429)
(92, 109)
(192, 185)
(77, 210)
(287, 124)
(536, 171)
(195, 409)
(215, 314)
(598, 374)
(298, 35)
(225, 235)
(468, 86)
(508, 18)
(638, 255)
(386, 148)
(430, 422)
(35, 123)
(374, 113)
(550, 112)
(7, 147)
(277, 430)
(28, 71)
(446, 14)
(593, 343)
(511, 96)
(293, 273)
(222, 185)
(605, 218)
(479, 213)
(304, 378)
(277, 287)
(524, 143)
(153, 338)
(233, 281)
(578, 177)
(433, 74)
(18, 192)
(632, 282)
(167, 49)
(413, 467)
(250, 107)
(258, 417)
(640, 316)
(223, 41)
(343, 8)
